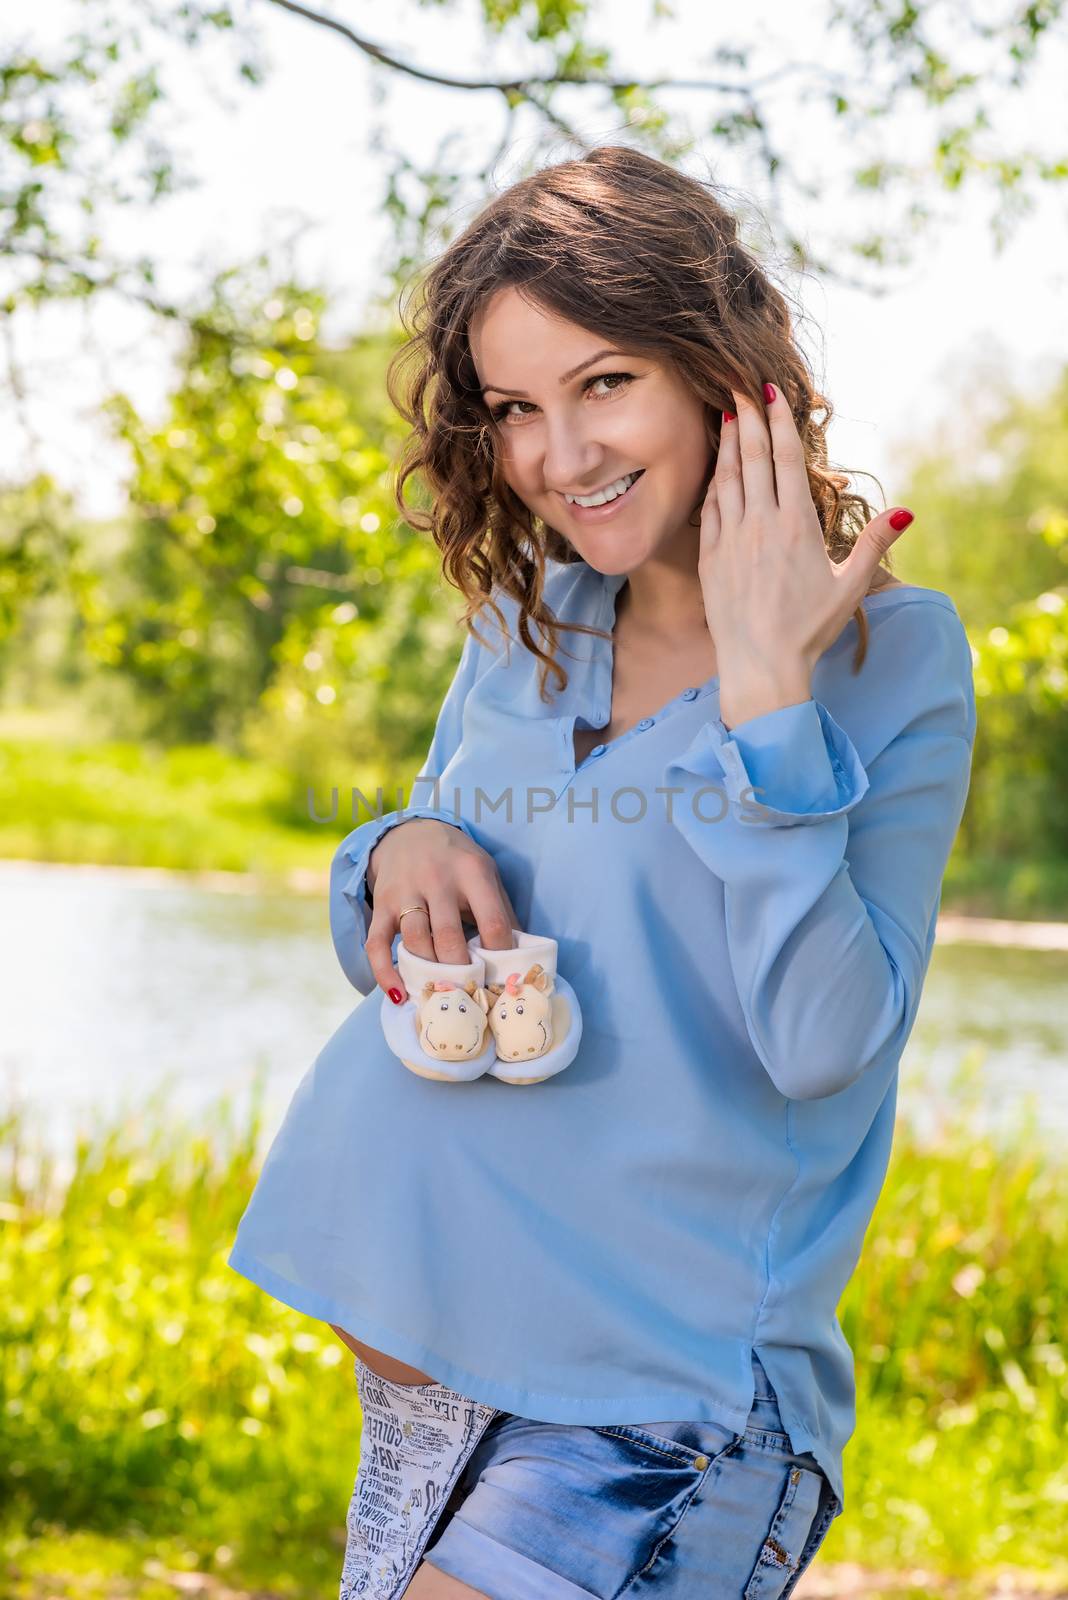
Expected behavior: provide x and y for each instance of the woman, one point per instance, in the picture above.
(733, 812)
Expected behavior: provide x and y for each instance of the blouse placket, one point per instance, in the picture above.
(595, 692)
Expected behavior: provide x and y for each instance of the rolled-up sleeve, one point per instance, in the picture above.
(350, 910)
(832, 869)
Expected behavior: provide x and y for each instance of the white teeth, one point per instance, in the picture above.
(602, 497)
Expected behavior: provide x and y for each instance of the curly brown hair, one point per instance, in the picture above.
(633, 250)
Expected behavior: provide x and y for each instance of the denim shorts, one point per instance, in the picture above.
(566, 1511)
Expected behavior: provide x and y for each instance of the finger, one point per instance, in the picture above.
(379, 951)
(491, 910)
(450, 945)
(730, 492)
(509, 908)
(415, 929)
(859, 566)
(710, 525)
(754, 450)
(788, 453)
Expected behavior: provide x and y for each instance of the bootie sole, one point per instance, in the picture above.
(424, 1072)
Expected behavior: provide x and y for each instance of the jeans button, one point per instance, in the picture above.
(700, 1462)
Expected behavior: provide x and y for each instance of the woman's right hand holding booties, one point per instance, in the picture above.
(425, 862)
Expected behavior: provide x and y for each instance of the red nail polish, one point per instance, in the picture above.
(728, 416)
(770, 392)
(396, 996)
(900, 519)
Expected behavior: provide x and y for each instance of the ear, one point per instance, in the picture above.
(538, 978)
(428, 990)
(495, 989)
(481, 997)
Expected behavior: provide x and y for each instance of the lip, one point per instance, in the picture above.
(602, 513)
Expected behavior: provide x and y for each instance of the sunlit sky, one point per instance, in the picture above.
(291, 159)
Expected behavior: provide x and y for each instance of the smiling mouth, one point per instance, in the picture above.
(604, 497)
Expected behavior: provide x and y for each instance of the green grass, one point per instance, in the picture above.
(957, 1315)
(149, 1394)
(196, 807)
(161, 1414)
(191, 807)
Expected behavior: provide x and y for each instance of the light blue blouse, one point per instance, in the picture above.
(747, 919)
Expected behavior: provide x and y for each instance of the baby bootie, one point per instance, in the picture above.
(534, 1014)
(442, 1030)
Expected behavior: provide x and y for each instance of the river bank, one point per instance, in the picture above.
(245, 826)
(954, 927)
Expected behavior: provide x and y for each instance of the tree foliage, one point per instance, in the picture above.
(262, 545)
(261, 592)
(992, 531)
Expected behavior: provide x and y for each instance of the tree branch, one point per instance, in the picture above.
(116, 279)
(523, 86)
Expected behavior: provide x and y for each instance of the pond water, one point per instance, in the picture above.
(118, 988)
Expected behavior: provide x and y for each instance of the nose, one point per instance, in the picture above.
(570, 456)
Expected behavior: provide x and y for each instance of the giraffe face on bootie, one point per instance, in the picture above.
(452, 1020)
(521, 1017)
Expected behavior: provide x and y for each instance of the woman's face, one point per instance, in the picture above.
(617, 415)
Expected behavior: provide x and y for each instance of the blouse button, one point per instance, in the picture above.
(646, 722)
(689, 694)
(598, 750)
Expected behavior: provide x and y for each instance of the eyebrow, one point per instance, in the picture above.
(565, 379)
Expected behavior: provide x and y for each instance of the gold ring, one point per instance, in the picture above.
(406, 910)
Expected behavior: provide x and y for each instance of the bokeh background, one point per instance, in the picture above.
(211, 616)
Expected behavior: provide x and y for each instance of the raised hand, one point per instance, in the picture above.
(774, 599)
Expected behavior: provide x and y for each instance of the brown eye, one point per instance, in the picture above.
(616, 380)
